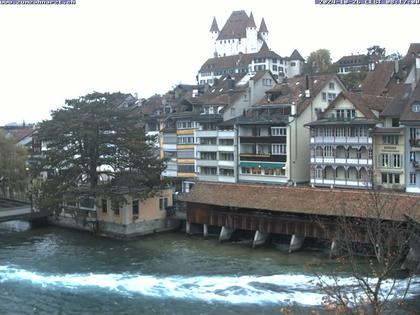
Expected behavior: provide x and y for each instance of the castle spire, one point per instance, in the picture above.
(214, 27)
(251, 22)
(263, 27)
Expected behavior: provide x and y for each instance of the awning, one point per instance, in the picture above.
(262, 165)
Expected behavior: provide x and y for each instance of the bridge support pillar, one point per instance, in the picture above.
(192, 228)
(259, 239)
(296, 243)
(333, 249)
(225, 234)
(205, 230)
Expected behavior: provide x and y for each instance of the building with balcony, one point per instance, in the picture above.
(262, 138)
(411, 120)
(342, 141)
(389, 142)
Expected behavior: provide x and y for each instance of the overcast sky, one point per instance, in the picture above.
(52, 53)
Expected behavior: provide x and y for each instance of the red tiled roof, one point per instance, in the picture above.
(408, 115)
(18, 133)
(251, 22)
(305, 200)
(293, 91)
(376, 81)
(413, 50)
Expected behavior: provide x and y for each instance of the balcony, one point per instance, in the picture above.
(344, 161)
(341, 140)
(203, 162)
(415, 143)
(341, 182)
(415, 165)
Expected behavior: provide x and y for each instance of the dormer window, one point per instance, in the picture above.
(331, 85)
(416, 107)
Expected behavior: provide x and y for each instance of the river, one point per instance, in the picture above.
(49, 270)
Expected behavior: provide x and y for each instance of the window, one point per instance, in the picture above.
(396, 160)
(245, 170)
(416, 107)
(135, 208)
(163, 203)
(351, 113)
(278, 149)
(318, 173)
(274, 67)
(293, 64)
(186, 140)
(384, 161)
(104, 206)
(225, 141)
(208, 156)
(331, 85)
(232, 111)
(340, 114)
(88, 203)
(186, 168)
(324, 96)
(328, 151)
(412, 178)
(278, 131)
(390, 178)
(226, 172)
(331, 97)
(226, 156)
(395, 122)
(390, 140)
(274, 60)
(205, 170)
(208, 141)
(115, 208)
(267, 82)
(183, 124)
(340, 132)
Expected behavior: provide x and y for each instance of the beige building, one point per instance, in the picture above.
(130, 219)
(136, 217)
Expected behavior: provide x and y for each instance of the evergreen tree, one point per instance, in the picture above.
(96, 148)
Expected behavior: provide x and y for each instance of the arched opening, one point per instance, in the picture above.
(352, 174)
(329, 172)
(340, 173)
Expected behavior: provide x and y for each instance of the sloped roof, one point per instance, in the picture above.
(251, 21)
(376, 81)
(396, 107)
(293, 90)
(296, 56)
(263, 27)
(408, 115)
(305, 200)
(18, 133)
(235, 26)
(151, 105)
(234, 61)
(364, 103)
(353, 60)
(214, 27)
(413, 50)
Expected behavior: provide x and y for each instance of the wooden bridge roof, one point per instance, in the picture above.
(307, 200)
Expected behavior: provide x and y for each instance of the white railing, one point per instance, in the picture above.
(339, 140)
(344, 161)
(341, 182)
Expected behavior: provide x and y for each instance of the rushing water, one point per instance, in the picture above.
(57, 271)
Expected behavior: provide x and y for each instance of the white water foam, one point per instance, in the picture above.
(278, 289)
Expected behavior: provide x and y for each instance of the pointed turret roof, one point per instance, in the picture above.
(263, 27)
(264, 47)
(296, 56)
(251, 22)
(235, 26)
(214, 27)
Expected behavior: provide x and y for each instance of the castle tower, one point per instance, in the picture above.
(263, 31)
(251, 35)
(214, 30)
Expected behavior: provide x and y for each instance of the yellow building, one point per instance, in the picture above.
(136, 217)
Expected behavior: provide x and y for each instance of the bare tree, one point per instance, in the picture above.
(372, 240)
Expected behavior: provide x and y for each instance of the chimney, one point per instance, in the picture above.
(307, 90)
(293, 110)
